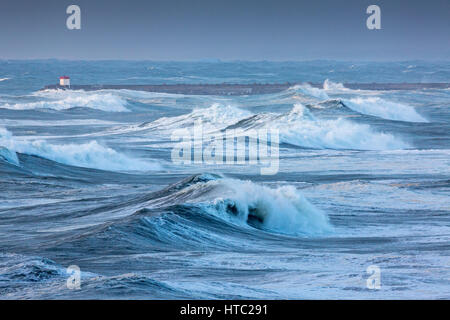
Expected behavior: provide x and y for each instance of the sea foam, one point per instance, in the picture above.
(68, 99)
(301, 128)
(282, 210)
(385, 109)
(217, 116)
(88, 155)
(308, 90)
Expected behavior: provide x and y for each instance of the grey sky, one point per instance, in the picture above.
(229, 30)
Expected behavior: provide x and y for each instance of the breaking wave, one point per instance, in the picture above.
(373, 106)
(385, 109)
(217, 116)
(8, 155)
(308, 90)
(297, 127)
(88, 155)
(301, 128)
(333, 86)
(68, 99)
(281, 210)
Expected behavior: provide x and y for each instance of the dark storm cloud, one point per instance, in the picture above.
(245, 29)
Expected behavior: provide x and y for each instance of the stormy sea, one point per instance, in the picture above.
(92, 205)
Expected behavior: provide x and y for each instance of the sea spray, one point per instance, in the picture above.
(5, 153)
(88, 155)
(68, 99)
(301, 128)
(385, 109)
(281, 210)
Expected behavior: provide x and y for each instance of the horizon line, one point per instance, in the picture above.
(213, 60)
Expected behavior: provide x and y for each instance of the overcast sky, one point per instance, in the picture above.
(227, 30)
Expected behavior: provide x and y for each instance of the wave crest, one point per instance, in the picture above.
(88, 155)
(375, 106)
(68, 99)
(281, 210)
(307, 89)
(299, 127)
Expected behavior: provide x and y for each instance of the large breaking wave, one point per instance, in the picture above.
(297, 127)
(88, 155)
(301, 128)
(385, 109)
(282, 210)
(373, 106)
(237, 203)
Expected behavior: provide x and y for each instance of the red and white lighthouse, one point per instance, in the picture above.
(64, 81)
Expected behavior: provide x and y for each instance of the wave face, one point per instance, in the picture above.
(9, 156)
(88, 155)
(300, 128)
(6, 154)
(297, 127)
(217, 116)
(384, 109)
(281, 210)
(372, 105)
(308, 90)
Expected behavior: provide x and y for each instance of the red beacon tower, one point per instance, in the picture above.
(64, 81)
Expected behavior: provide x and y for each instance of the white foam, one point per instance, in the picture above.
(299, 127)
(88, 155)
(308, 90)
(333, 86)
(385, 109)
(67, 99)
(282, 210)
(5, 153)
(217, 116)
(55, 123)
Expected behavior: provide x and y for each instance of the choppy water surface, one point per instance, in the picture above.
(87, 179)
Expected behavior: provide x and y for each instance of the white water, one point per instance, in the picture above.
(215, 117)
(310, 91)
(385, 109)
(67, 99)
(88, 155)
(282, 210)
(333, 86)
(299, 127)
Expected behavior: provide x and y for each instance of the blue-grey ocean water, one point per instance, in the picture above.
(87, 179)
